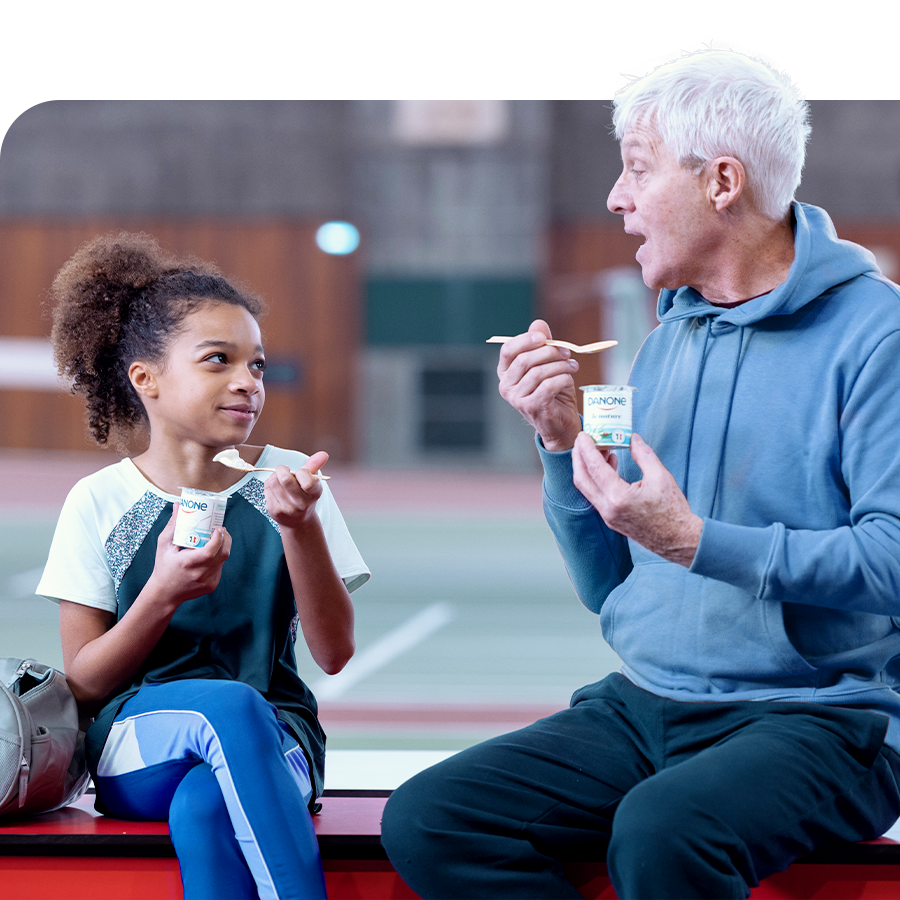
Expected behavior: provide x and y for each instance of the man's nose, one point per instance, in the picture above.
(619, 200)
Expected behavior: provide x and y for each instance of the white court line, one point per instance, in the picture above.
(384, 650)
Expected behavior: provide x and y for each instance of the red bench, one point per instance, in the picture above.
(76, 854)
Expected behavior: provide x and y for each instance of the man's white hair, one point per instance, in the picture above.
(715, 103)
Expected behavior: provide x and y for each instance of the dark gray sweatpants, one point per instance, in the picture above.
(682, 800)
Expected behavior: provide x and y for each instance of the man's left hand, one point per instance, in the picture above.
(653, 511)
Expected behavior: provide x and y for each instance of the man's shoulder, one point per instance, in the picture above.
(880, 285)
(871, 296)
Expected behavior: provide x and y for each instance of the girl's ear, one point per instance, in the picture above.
(143, 379)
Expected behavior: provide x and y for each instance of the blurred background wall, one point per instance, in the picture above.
(474, 217)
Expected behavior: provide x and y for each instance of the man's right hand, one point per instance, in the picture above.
(537, 380)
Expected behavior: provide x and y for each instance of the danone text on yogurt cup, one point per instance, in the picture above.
(607, 414)
(198, 514)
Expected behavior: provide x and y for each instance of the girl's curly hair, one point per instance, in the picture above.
(122, 298)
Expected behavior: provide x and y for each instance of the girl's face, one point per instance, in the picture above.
(210, 389)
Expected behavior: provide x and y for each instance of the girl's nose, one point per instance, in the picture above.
(245, 380)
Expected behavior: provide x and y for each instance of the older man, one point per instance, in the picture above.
(747, 572)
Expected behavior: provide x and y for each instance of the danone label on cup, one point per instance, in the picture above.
(198, 514)
(607, 414)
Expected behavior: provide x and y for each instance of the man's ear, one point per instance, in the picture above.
(143, 379)
(727, 180)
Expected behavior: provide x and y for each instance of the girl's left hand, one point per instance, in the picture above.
(291, 496)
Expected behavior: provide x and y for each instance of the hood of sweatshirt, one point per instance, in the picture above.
(821, 261)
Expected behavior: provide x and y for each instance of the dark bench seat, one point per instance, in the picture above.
(76, 854)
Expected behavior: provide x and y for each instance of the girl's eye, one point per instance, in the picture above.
(217, 358)
(260, 364)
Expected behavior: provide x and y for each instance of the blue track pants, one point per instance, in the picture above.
(212, 758)
(682, 800)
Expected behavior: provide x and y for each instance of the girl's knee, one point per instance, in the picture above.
(198, 805)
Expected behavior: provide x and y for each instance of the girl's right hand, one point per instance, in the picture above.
(102, 654)
(183, 574)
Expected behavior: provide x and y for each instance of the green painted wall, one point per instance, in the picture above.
(403, 311)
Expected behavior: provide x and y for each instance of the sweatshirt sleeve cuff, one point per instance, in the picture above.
(559, 489)
(736, 554)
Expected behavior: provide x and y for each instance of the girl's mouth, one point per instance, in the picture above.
(240, 413)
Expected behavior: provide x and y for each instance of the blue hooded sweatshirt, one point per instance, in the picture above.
(780, 421)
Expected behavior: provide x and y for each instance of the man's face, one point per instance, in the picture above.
(668, 206)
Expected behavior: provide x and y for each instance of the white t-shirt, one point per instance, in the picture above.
(108, 515)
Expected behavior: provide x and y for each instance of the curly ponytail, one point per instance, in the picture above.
(118, 299)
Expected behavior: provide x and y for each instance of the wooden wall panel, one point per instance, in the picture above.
(571, 302)
(313, 322)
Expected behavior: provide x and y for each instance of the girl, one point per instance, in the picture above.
(186, 656)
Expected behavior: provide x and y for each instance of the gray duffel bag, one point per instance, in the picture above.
(42, 765)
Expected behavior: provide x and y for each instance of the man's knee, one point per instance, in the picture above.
(661, 831)
(407, 827)
(643, 823)
(659, 816)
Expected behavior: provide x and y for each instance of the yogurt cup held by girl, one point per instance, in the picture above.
(198, 514)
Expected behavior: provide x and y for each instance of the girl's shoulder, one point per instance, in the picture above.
(118, 479)
(99, 502)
